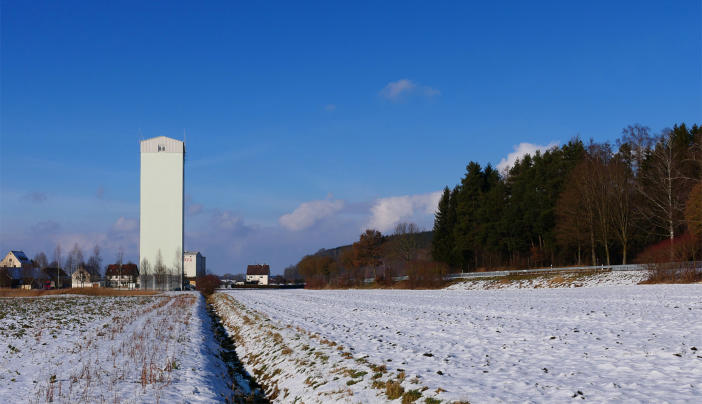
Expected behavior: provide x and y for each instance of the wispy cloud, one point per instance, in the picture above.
(124, 224)
(387, 212)
(48, 227)
(397, 90)
(229, 222)
(521, 150)
(195, 209)
(330, 107)
(309, 213)
(36, 197)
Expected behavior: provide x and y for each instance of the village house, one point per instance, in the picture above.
(12, 267)
(122, 276)
(258, 274)
(86, 278)
(47, 279)
(15, 259)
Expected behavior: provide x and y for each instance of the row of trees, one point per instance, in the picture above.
(157, 276)
(161, 276)
(374, 256)
(73, 260)
(580, 203)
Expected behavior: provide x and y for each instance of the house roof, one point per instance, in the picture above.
(51, 273)
(258, 270)
(93, 272)
(20, 256)
(127, 269)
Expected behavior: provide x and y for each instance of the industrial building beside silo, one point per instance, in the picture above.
(193, 266)
(161, 212)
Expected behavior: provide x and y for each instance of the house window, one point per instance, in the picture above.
(161, 147)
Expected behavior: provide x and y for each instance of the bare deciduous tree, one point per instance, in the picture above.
(144, 272)
(74, 259)
(57, 259)
(664, 186)
(94, 264)
(621, 194)
(574, 219)
(178, 267)
(40, 261)
(160, 270)
(405, 244)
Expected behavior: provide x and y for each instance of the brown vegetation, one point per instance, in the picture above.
(207, 284)
(6, 292)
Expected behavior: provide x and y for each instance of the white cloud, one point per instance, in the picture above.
(521, 150)
(330, 107)
(387, 212)
(230, 222)
(396, 90)
(309, 213)
(124, 224)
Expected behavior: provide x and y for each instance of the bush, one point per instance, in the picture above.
(393, 390)
(411, 396)
(207, 284)
(682, 272)
(685, 247)
(673, 262)
(427, 274)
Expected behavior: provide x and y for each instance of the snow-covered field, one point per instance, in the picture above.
(109, 349)
(604, 344)
(556, 280)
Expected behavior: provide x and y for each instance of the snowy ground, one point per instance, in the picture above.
(556, 280)
(602, 344)
(116, 349)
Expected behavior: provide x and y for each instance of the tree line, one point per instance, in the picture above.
(581, 203)
(374, 257)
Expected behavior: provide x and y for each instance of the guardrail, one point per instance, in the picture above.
(594, 268)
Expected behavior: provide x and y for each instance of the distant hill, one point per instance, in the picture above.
(423, 243)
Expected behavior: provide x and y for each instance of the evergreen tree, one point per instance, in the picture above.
(442, 243)
(467, 244)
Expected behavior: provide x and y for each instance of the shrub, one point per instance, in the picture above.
(427, 274)
(669, 261)
(393, 390)
(207, 284)
(682, 248)
(411, 396)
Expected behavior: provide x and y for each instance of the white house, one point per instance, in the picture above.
(13, 268)
(85, 278)
(193, 265)
(122, 276)
(15, 259)
(258, 274)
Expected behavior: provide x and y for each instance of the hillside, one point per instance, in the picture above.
(423, 243)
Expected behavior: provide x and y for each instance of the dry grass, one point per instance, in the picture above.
(393, 390)
(685, 272)
(77, 291)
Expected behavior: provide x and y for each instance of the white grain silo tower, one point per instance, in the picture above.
(161, 211)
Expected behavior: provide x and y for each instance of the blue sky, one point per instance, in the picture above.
(306, 123)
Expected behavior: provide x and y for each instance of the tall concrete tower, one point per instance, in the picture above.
(161, 209)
